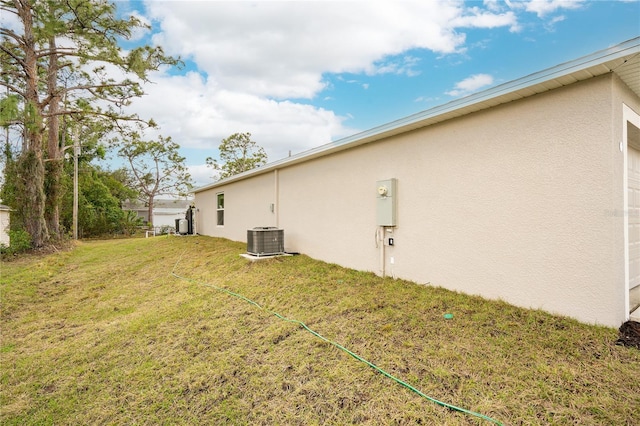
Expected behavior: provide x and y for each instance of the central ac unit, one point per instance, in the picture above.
(265, 241)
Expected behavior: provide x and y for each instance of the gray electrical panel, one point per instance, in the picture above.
(386, 202)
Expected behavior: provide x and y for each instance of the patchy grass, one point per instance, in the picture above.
(104, 334)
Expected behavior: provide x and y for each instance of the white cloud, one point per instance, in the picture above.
(402, 66)
(477, 18)
(493, 5)
(471, 84)
(201, 174)
(198, 114)
(255, 58)
(542, 8)
(252, 62)
(551, 24)
(281, 49)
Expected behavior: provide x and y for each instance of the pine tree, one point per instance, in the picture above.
(238, 153)
(55, 81)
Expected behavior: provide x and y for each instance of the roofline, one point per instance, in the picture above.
(430, 116)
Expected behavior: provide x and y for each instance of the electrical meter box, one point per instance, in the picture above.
(386, 202)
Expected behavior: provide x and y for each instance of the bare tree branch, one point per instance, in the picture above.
(13, 88)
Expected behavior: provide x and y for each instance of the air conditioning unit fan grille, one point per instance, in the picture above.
(265, 241)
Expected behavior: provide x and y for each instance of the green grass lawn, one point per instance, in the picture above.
(105, 334)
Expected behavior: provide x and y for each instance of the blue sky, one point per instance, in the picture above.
(300, 74)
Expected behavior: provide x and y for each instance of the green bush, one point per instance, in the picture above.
(166, 229)
(20, 241)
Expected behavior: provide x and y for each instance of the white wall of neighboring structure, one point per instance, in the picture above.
(165, 211)
(516, 202)
(167, 218)
(4, 226)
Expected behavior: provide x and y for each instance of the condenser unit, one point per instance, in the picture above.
(265, 241)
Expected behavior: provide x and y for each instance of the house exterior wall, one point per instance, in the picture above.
(516, 202)
(247, 205)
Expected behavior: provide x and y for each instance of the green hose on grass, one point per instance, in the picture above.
(337, 345)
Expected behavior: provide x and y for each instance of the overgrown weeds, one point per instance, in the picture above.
(105, 334)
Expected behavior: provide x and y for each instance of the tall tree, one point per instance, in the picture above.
(20, 74)
(157, 169)
(77, 38)
(238, 153)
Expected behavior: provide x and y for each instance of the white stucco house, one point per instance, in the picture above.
(5, 219)
(527, 192)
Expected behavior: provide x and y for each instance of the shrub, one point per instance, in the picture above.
(166, 229)
(20, 241)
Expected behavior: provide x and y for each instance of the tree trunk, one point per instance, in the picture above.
(30, 167)
(150, 211)
(30, 196)
(53, 187)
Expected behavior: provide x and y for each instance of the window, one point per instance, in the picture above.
(220, 208)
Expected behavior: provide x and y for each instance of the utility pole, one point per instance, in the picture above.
(76, 153)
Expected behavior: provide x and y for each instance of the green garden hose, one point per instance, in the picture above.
(337, 345)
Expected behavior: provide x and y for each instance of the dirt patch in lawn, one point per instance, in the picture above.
(629, 334)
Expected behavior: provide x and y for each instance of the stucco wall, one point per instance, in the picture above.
(514, 202)
(499, 203)
(247, 205)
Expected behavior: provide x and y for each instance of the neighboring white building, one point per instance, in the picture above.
(528, 192)
(5, 219)
(165, 212)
